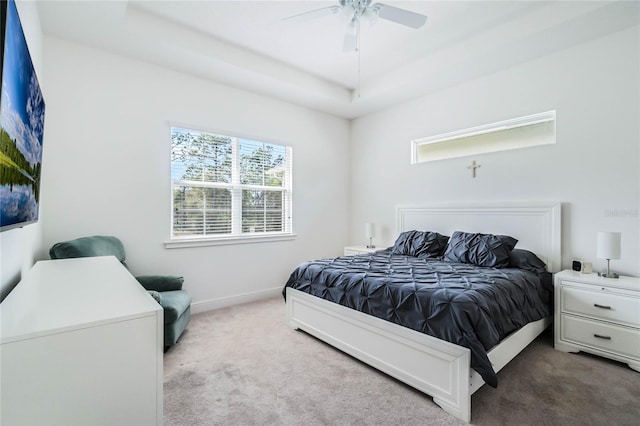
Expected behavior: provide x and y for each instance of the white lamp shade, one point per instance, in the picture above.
(370, 230)
(608, 245)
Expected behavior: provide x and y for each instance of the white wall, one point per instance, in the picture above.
(108, 168)
(593, 169)
(19, 247)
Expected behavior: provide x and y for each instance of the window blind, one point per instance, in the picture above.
(228, 186)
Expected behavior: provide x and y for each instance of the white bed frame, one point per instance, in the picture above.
(433, 366)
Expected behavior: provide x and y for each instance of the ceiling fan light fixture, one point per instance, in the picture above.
(371, 15)
(349, 13)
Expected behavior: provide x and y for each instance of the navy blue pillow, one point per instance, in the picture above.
(420, 244)
(487, 250)
(524, 259)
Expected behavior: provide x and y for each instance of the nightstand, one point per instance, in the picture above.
(353, 250)
(598, 315)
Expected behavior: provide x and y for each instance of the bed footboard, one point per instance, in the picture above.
(437, 368)
(433, 366)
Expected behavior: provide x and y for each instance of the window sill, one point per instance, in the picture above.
(220, 241)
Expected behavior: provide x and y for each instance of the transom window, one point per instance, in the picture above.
(226, 187)
(523, 132)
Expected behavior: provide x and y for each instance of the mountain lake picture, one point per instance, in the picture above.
(22, 121)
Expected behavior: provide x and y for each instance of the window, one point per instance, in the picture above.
(227, 188)
(523, 132)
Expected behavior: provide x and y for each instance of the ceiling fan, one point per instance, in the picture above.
(356, 10)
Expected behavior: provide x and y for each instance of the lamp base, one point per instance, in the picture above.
(609, 275)
(370, 245)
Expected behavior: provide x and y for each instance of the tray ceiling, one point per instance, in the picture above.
(246, 45)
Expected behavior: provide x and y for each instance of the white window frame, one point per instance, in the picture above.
(236, 188)
(501, 126)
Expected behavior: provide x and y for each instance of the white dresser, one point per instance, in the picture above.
(80, 343)
(598, 315)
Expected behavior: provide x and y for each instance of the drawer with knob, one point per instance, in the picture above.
(619, 340)
(601, 304)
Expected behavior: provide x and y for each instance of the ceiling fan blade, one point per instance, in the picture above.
(351, 37)
(400, 16)
(330, 10)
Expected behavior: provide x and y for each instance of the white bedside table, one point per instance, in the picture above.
(598, 315)
(353, 250)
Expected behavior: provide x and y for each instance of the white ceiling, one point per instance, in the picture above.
(245, 44)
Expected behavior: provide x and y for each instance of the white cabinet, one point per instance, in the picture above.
(353, 250)
(598, 315)
(80, 343)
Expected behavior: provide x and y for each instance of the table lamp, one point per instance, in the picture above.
(608, 248)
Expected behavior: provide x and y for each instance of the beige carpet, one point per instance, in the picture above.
(243, 366)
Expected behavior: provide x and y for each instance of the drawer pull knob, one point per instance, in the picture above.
(602, 337)
(601, 306)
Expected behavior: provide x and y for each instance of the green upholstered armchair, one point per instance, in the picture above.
(165, 289)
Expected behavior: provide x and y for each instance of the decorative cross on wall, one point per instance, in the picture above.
(473, 168)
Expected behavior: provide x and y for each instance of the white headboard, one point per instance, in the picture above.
(536, 226)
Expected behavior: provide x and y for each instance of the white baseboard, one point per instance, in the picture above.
(212, 304)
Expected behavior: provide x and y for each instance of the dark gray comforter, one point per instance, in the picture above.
(461, 303)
